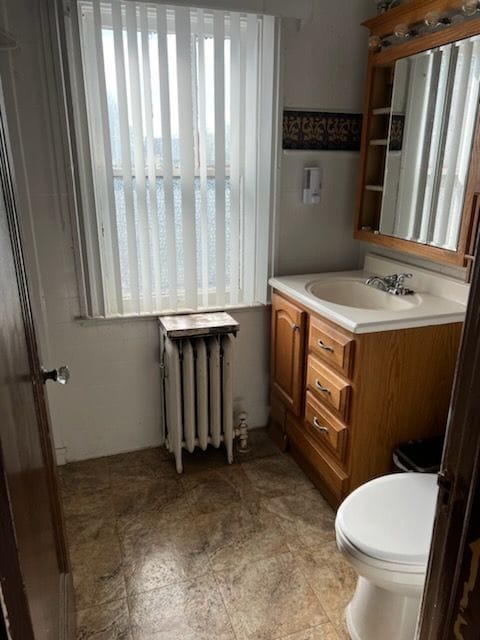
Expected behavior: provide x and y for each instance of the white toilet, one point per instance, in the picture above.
(384, 530)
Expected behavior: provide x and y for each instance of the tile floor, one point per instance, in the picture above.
(240, 552)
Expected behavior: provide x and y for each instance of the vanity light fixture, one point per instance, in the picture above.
(433, 20)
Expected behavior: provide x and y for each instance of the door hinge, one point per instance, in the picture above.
(445, 482)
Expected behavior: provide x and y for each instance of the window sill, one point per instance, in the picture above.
(134, 317)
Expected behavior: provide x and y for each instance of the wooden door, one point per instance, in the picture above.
(34, 577)
(288, 339)
(452, 593)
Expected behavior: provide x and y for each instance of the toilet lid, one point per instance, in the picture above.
(391, 518)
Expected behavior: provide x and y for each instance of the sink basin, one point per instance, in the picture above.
(355, 293)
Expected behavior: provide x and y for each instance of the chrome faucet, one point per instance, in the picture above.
(394, 284)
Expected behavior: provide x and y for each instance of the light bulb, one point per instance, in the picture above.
(374, 43)
(432, 19)
(470, 7)
(402, 31)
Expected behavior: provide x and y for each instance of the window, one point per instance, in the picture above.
(176, 171)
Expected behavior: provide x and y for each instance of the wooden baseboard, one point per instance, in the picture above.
(67, 623)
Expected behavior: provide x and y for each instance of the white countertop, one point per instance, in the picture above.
(441, 300)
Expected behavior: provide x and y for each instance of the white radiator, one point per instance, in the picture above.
(197, 388)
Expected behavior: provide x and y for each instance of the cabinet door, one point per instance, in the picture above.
(288, 339)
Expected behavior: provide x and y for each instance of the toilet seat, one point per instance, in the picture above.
(388, 522)
(359, 558)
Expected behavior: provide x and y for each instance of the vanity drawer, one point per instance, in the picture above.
(327, 386)
(330, 345)
(324, 427)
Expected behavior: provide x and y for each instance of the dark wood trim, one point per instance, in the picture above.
(428, 252)
(11, 580)
(458, 494)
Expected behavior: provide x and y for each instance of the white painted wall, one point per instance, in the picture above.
(324, 69)
(112, 401)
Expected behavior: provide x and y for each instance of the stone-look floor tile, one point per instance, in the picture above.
(269, 599)
(239, 535)
(191, 610)
(342, 632)
(97, 572)
(84, 528)
(330, 577)
(322, 632)
(107, 622)
(84, 476)
(88, 503)
(131, 520)
(216, 489)
(137, 465)
(89, 516)
(305, 517)
(260, 445)
(160, 551)
(276, 476)
(131, 498)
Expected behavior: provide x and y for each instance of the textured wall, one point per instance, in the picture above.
(112, 401)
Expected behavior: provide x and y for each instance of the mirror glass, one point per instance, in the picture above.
(432, 124)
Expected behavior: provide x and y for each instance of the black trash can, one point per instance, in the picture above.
(422, 456)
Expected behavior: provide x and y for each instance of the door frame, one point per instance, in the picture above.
(448, 571)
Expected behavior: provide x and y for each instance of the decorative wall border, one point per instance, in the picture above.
(321, 130)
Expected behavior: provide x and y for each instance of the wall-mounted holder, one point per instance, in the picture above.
(312, 185)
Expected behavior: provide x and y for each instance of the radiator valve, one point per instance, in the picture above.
(241, 432)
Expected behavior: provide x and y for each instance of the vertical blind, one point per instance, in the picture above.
(441, 90)
(179, 104)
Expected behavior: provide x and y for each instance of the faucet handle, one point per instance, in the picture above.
(401, 278)
(391, 280)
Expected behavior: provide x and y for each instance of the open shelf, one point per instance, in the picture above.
(382, 111)
(376, 147)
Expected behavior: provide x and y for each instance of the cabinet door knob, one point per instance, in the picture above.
(319, 426)
(320, 387)
(296, 327)
(325, 347)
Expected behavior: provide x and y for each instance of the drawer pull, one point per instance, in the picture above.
(320, 387)
(319, 426)
(325, 347)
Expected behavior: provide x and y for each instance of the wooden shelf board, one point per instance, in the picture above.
(382, 111)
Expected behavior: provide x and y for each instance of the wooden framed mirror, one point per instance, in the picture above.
(419, 180)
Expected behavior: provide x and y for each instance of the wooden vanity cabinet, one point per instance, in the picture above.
(287, 354)
(341, 401)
